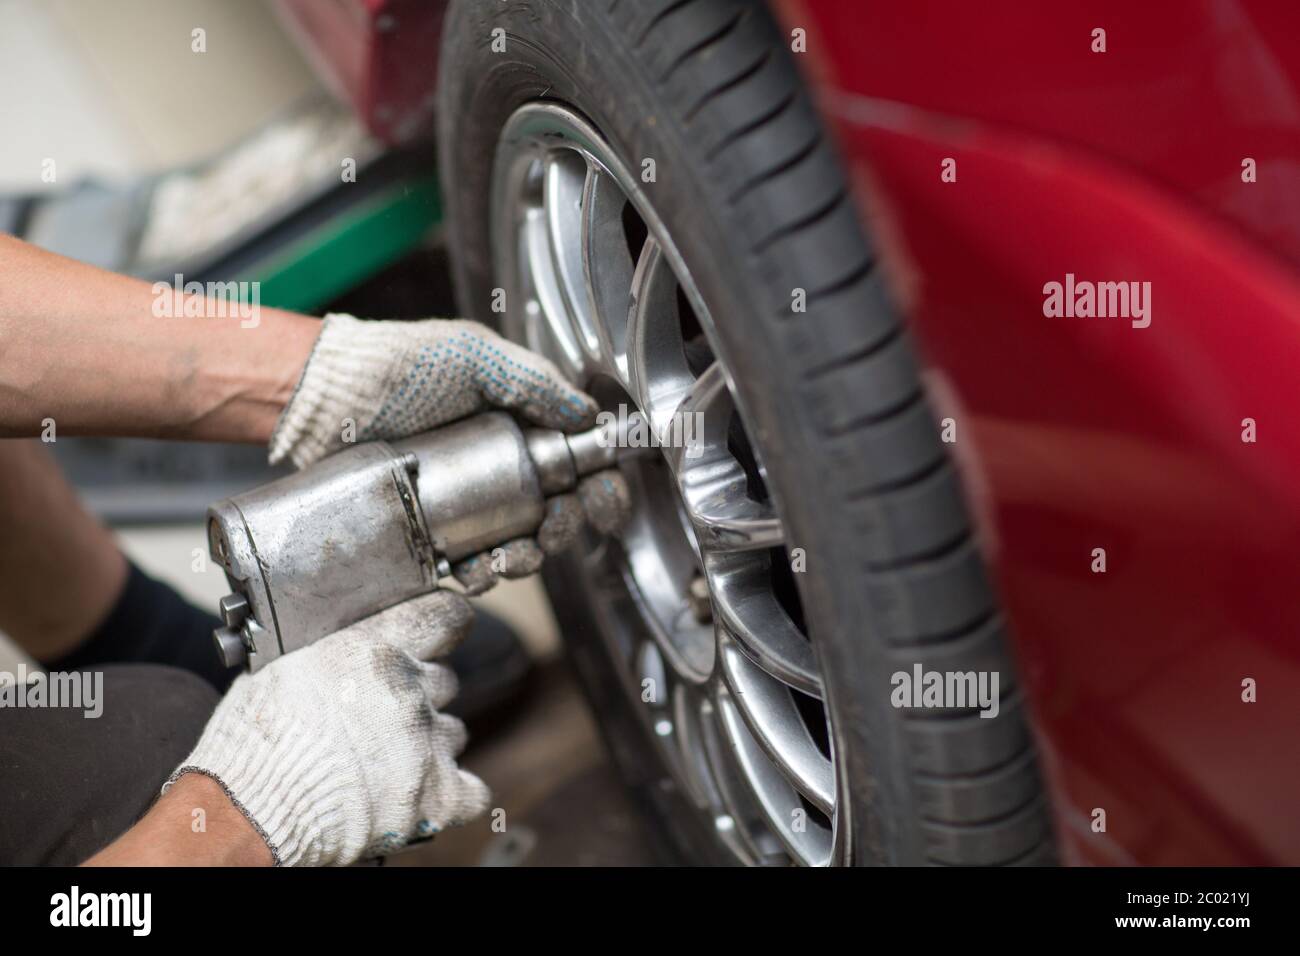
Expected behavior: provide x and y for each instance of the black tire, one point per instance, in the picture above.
(750, 187)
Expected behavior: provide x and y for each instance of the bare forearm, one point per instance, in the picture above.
(84, 347)
(193, 824)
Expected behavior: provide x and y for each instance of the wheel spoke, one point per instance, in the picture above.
(807, 839)
(701, 413)
(607, 266)
(745, 526)
(754, 618)
(713, 483)
(743, 823)
(774, 720)
(662, 567)
(691, 417)
(690, 748)
(547, 323)
(564, 183)
(658, 376)
(725, 518)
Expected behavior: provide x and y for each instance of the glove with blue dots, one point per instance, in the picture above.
(368, 380)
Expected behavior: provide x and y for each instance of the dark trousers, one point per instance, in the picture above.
(69, 784)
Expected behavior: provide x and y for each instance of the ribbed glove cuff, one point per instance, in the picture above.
(286, 784)
(347, 370)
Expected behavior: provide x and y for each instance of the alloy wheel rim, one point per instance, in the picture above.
(696, 610)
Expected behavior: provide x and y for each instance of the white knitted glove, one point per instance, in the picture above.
(337, 752)
(381, 380)
(387, 380)
(602, 500)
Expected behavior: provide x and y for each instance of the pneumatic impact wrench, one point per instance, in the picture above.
(375, 524)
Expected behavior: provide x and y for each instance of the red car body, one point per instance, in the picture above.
(1078, 434)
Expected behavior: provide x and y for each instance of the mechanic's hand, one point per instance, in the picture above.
(337, 752)
(602, 500)
(386, 380)
(380, 380)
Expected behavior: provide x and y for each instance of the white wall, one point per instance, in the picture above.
(113, 89)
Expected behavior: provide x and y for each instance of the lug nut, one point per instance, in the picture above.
(697, 597)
